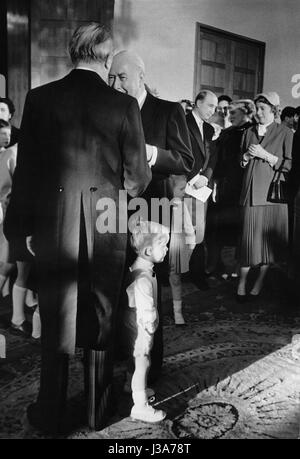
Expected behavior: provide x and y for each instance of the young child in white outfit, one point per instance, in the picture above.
(149, 240)
(182, 244)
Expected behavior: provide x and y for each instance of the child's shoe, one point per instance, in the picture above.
(147, 413)
(24, 329)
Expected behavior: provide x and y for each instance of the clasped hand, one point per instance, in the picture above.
(257, 151)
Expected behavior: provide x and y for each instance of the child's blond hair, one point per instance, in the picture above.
(145, 233)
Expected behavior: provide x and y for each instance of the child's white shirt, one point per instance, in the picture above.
(142, 294)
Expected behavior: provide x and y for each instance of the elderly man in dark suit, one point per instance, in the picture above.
(201, 133)
(167, 143)
(81, 143)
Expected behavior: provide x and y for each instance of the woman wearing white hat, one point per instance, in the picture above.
(266, 148)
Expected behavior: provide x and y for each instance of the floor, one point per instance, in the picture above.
(232, 372)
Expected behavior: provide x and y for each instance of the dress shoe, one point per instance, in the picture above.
(201, 284)
(39, 423)
(241, 298)
(253, 297)
(47, 427)
(24, 329)
(35, 341)
(178, 318)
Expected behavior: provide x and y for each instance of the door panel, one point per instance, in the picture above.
(52, 24)
(228, 64)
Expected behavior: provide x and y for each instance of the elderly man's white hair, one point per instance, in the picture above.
(132, 58)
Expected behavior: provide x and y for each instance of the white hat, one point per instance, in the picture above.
(271, 97)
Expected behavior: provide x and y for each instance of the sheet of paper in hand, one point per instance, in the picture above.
(202, 193)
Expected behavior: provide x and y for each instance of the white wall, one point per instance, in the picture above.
(163, 33)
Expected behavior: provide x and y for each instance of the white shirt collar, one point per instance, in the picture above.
(141, 263)
(262, 128)
(197, 118)
(142, 98)
(81, 67)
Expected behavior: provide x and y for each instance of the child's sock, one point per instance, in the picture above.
(139, 398)
(36, 324)
(177, 309)
(18, 303)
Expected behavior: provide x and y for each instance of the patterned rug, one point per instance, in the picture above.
(227, 374)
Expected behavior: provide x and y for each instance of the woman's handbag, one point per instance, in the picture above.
(278, 191)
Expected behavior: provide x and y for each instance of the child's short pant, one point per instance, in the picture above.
(138, 338)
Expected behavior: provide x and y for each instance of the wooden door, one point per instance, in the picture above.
(17, 59)
(52, 24)
(3, 49)
(228, 64)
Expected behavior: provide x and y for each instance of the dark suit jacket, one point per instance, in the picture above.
(294, 175)
(81, 142)
(258, 176)
(165, 127)
(203, 150)
(228, 171)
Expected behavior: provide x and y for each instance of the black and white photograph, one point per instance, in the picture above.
(149, 222)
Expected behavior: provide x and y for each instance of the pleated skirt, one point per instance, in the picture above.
(179, 254)
(264, 236)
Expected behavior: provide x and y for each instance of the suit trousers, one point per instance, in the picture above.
(98, 371)
(198, 262)
(198, 258)
(52, 398)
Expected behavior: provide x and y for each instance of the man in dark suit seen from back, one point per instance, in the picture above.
(81, 142)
